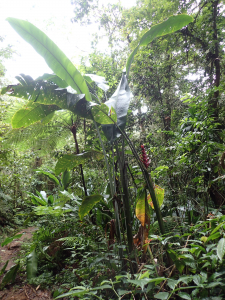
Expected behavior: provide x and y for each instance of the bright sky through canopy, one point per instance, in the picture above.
(53, 17)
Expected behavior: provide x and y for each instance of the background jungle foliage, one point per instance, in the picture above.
(100, 233)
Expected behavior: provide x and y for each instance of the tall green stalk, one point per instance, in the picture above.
(146, 176)
(112, 191)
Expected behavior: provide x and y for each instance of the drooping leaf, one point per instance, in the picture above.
(65, 179)
(10, 275)
(50, 175)
(103, 115)
(32, 261)
(21, 79)
(8, 240)
(99, 80)
(70, 161)
(159, 194)
(120, 101)
(142, 210)
(44, 93)
(79, 105)
(221, 248)
(143, 214)
(32, 113)
(54, 98)
(88, 203)
(53, 56)
(173, 24)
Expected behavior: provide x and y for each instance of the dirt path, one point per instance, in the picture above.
(19, 291)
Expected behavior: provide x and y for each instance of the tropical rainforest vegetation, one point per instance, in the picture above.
(119, 162)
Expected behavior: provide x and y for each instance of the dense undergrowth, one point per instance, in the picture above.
(74, 259)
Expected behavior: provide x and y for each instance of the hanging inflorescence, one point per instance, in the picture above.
(144, 157)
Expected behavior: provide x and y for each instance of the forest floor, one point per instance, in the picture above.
(19, 290)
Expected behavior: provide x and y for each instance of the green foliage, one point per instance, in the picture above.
(71, 161)
(8, 240)
(31, 265)
(10, 275)
(183, 134)
(87, 204)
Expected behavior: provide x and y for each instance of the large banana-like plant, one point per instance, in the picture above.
(49, 93)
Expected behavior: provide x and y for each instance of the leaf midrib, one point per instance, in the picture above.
(52, 54)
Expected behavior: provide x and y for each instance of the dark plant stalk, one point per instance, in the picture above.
(112, 190)
(126, 202)
(74, 132)
(146, 176)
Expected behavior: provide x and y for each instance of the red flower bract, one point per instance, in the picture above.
(144, 157)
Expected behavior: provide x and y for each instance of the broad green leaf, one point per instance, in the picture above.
(50, 175)
(3, 269)
(221, 248)
(70, 161)
(184, 296)
(172, 283)
(53, 56)
(142, 208)
(8, 240)
(65, 179)
(120, 101)
(162, 295)
(103, 115)
(173, 24)
(159, 194)
(10, 275)
(32, 265)
(87, 204)
(32, 113)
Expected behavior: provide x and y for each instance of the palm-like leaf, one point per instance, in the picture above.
(44, 98)
(173, 24)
